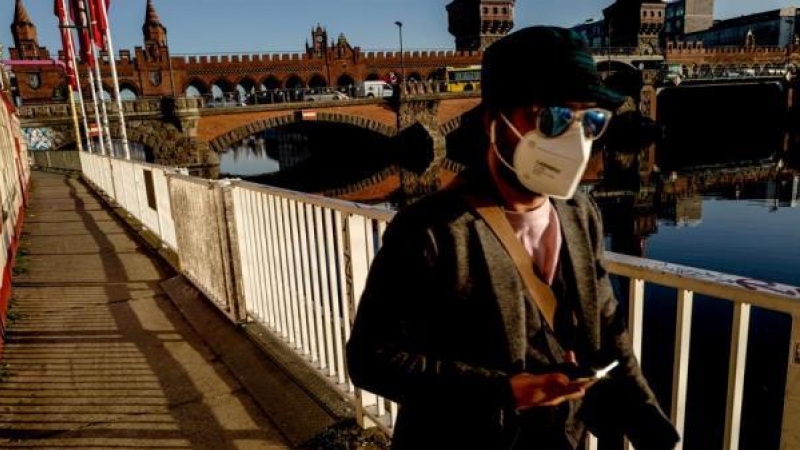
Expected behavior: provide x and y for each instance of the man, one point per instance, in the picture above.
(456, 332)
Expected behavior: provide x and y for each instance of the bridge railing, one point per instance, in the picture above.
(63, 160)
(138, 187)
(296, 264)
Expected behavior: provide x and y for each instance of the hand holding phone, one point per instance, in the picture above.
(583, 374)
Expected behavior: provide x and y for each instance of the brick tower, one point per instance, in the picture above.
(155, 35)
(477, 23)
(635, 23)
(26, 41)
(698, 15)
(319, 44)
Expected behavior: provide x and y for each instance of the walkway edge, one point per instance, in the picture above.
(303, 404)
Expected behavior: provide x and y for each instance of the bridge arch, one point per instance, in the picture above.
(237, 134)
(345, 80)
(220, 87)
(87, 92)
(271, 82)
(196, 88)
(415, 76)
(246, 85)
(317, 80)
(293, 82)
(129, 91)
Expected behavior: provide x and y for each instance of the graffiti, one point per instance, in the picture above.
(43, 138)
(757, 285)
(722, 278)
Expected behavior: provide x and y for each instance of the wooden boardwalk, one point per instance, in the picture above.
(99, 357)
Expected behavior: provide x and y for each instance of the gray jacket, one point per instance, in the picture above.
(442, 325)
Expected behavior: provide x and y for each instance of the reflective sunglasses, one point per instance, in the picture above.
(553, 121)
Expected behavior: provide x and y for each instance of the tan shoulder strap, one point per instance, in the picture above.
(498, 222)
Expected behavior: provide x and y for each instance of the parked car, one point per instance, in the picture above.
(325, 96)
(380, 89)
(223, 103)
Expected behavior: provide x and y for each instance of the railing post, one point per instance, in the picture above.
(236, 291)
(790, 432)
(680, 368)
(738, 358)
(226, 226)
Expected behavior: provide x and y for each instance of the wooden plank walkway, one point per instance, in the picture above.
(98, 357)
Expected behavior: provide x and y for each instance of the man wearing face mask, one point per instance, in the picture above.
(488, 300)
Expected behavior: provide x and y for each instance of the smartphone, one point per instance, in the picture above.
(587, 373)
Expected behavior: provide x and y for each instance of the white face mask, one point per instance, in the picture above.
(551, 166)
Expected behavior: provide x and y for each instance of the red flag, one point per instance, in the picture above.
(101, 14)
(66, 44)
(81, 20)
(98, 10)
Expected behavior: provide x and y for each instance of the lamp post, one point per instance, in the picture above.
(169, 61)
(403, 193)
(402, 60)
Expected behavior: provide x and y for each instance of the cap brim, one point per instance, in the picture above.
(605, 97)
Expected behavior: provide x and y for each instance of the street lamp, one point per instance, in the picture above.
(402, 61)
(403, 197)
(169, 60)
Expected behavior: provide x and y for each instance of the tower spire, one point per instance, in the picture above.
(155, 34)
(21, 15)
(151, 15)
(23, 30)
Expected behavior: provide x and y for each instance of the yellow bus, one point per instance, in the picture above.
(463, 79)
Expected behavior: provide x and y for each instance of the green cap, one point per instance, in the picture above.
(542, 65)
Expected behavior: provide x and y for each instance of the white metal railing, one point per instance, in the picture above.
(304, 259)
(296, 264)
(65, 160)
(203, 238)
(138, 187)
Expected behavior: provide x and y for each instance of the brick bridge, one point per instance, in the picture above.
(183, 133)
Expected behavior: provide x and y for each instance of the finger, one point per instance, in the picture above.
(563, 398)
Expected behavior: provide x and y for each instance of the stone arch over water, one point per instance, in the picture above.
(230, 137)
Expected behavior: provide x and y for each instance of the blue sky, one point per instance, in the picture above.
(242, 26)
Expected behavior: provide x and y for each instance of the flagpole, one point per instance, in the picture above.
(71, 54)
(106, 128)
(81, 19)
(96, 111)
(110, 50)
(78, 140)
(89, 142)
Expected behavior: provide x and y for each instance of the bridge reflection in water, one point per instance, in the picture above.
(252, 156)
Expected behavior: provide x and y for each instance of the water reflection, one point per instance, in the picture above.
(734, 217)
(309, 156)
(255, 155)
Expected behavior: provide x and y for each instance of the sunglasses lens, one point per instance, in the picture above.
(555, 120)
(595, 122)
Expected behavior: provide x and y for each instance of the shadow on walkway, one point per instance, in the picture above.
(98, 357)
